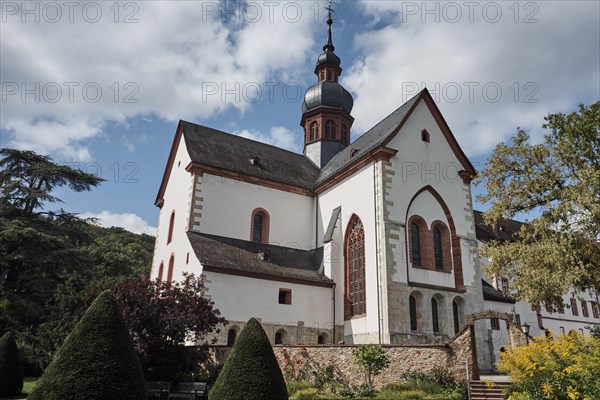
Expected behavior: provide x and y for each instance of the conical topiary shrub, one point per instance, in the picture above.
(251, 371)
(11, 372)
(97, 361)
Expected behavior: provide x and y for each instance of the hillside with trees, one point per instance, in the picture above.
(53, 263)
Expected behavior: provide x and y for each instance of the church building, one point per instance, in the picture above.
(365, 241)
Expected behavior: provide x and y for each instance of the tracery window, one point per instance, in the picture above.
(437, 249)
(415, 242)
(355, 268)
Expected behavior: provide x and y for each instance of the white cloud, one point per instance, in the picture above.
(554, 62)
(278, 136)
(168, 64)
(128, 221)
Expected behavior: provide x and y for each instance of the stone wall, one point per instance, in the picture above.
(304, 360)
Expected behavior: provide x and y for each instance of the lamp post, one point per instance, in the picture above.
(525, 328)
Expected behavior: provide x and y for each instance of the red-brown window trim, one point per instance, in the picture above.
(446, 245)
(423, 231)
(171, 225)
(266, 222)
(160, 271)
(170, 270)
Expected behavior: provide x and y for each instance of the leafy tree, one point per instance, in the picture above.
(96, 361)
(557, 181)
(11, 373)
(371, 360)
(564, 368)
(52, 263)
(251, 370)
(162, 317)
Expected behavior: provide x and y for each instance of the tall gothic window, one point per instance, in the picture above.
(435, 316)
(170, 270)
(260, 226)
(355, 268)
(415, 242)
(412, 308)
(160, 271)
(171, 225)
(314, 131)
(437, 249)
(330, 129)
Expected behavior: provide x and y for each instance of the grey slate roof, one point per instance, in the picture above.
(369, 141)
(231, 152)
(229, 254)
(491, 294)
(507, 230)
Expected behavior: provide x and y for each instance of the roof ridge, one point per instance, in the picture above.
(244, 138)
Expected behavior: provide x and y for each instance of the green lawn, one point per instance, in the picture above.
(29, 384)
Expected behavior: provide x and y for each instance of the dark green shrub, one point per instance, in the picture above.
(11, 372)
(251, 371)
(97, 360)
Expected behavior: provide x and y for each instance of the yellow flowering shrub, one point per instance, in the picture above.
(567, 367)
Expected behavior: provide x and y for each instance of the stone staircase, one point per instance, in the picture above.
(481, 391)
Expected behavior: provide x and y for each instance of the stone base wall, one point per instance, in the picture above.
(304, 360)
(298, 334)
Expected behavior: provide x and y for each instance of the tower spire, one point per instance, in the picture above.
(329, 45)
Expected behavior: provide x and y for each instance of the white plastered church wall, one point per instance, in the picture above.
(228, 204)
(177, 197)
(355, 196)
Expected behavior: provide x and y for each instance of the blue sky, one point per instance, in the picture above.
(491, 66)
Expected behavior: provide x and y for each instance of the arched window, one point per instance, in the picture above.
(415, 242)
(280, 336)
(160, 272)
(356, 302)
(170, 271)
(330, 129)
(231, 335)
(456, 315)
(322, 75)
(328, 75)
(171, 224)
(345, 139)
(412, 305)
(314, 131)
(435, 317)
(322, 338)
(260, 226)
(437, 249)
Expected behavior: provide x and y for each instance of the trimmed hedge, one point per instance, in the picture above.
(97, 361)
(11, 372)
(251, 371)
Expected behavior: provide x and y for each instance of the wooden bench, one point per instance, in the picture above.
(158, 389)
(189, 390)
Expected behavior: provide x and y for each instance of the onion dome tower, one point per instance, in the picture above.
(327, 106)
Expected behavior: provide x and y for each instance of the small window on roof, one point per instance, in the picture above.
(425, 136)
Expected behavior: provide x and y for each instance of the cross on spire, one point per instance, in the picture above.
(329, 45)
